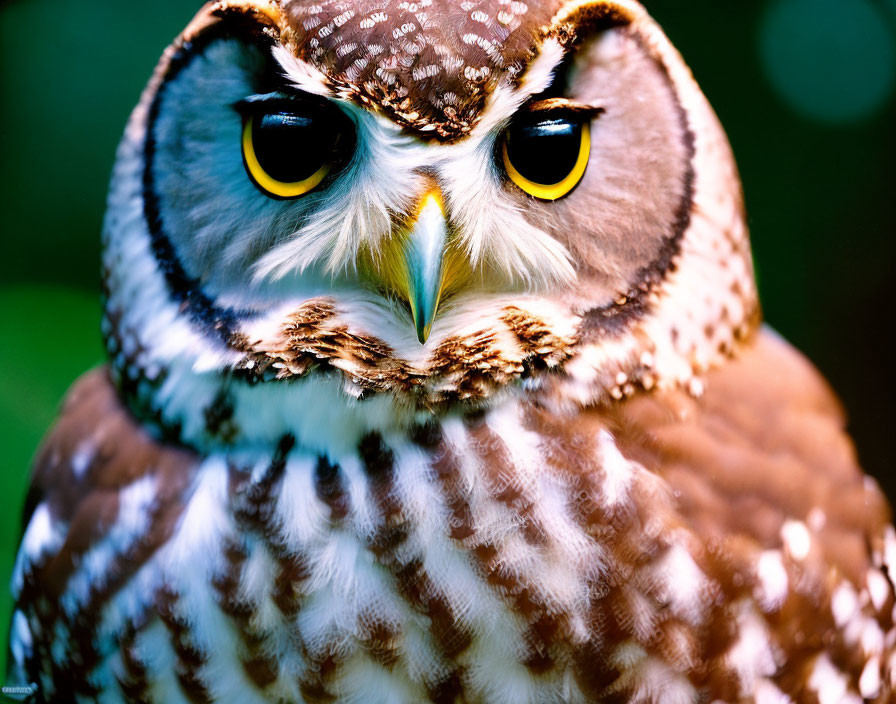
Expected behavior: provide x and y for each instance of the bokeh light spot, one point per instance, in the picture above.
(829, 60)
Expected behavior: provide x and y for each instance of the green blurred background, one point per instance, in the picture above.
(805, 89)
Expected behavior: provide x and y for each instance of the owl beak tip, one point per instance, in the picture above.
(423, 332)
(424, 306)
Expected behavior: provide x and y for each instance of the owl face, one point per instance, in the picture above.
(434, 200)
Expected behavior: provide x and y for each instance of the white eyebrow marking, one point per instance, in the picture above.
(506, 99)
(302, 75)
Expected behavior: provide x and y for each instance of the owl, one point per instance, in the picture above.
(436, 374)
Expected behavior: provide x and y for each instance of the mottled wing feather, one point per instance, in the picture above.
(765, 475)
(105, 497)
(764, 445)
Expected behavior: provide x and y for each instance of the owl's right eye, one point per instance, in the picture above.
(288, 153)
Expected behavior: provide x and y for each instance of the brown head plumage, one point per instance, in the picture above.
(430, 75)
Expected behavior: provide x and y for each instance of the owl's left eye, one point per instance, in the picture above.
(289, 153)
(546, 155)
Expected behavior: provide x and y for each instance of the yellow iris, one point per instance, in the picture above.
(553, 191)
(275, 188)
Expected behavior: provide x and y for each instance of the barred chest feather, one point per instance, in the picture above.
(653, 552)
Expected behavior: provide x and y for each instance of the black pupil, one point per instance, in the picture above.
(545, 151)
(292, 147)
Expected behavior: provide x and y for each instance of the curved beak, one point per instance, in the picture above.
(424, 250)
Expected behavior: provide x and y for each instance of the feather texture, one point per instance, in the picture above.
(650, 550)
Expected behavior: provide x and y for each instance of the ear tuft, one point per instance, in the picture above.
(248, 18)
(579, 20)
(263, 12)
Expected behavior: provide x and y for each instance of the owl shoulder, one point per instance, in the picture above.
(100, 479)
(765, 481)
(763, 453)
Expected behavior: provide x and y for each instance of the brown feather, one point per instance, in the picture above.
(430, 77)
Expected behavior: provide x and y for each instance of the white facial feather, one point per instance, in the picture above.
(303, 75)
(357, 209)
(494, 233)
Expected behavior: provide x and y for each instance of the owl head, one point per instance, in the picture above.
(429, 203)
